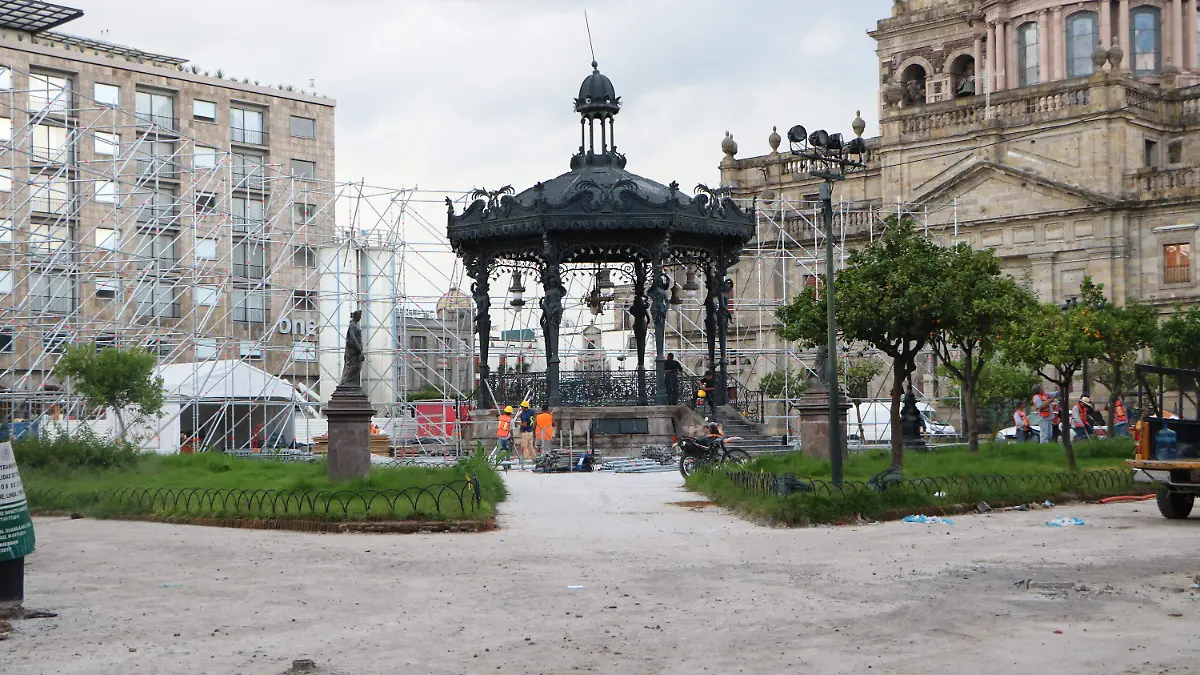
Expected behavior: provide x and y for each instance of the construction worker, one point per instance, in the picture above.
(525, 427)
(543, 429)
(1041, 406)
(1120, 418)
(1021, 422)
(504, 430)
(1080, 423)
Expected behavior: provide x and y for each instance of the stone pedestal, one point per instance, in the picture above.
(349, 413)
(812, 410)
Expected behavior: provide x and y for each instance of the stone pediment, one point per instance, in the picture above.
(986, 190)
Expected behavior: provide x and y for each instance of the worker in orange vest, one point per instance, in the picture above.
(1120, 418)
(504, 430)
(1042, 406)
(1021, 422)
(543, 429)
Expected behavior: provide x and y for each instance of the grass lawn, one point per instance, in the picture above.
(215, 485)
(1029, 460)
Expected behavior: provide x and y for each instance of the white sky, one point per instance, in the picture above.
(452, 95)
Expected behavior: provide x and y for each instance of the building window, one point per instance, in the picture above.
(1145, 41)
(155, 206)
(5, 129)
(1150, 154)
(249, 349)
(1028, 67)
(249, 260)
(6, 341)
(106, 191)
(1177, 263)
(106, 289)
(206, 349)
(156, 300)
(108, 95)
(248, 170)
(205, 158)
(249, 306)
(56, 342)
(6, 180)
(206, 249)
(206, 203)
(304, 301)
(156, 158)
(48, 238)
(107, 144)
(156, 108)
(50, 144)
(1082, 36)
(6, 282)
(304, 352)
(1175, 151)
(304, 169)
(49, 93)
(303, 213)
(5, 78)
(246, 126)
(304, 256)
(207, 296)
(6, 231)
(107, 239)
(248, 214)
(52, 293)
(155, 250)
(50, 194)
(303, 127)
(205, 111)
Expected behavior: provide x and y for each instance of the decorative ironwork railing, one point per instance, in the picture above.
(575, 387)
(750, 403)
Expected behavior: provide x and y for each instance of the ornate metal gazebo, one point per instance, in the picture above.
(600, 219)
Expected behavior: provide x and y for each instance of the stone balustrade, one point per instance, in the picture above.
(1164, 184)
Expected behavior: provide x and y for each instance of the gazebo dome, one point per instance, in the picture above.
(597, 97)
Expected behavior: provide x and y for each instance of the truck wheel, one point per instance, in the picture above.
(1175, 505)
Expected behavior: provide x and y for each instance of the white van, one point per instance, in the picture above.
(876, 418)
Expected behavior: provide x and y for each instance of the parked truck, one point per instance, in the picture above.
(1167, 450)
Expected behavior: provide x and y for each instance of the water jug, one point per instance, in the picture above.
(1164, 444)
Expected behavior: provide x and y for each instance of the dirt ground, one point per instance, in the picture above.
(663, 588)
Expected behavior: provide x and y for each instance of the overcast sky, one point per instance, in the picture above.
(454, 95)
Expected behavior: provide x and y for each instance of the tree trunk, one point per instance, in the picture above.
(862, 437)
(898, 376)
(968, 393)
(1064, 406)
(120, 424)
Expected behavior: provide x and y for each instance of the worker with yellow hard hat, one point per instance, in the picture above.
(504, 430)
(525, 421)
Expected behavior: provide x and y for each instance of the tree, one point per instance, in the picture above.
(976, 301)
(115, 378)
(858, 375)
(783, 384)
(1121, 332)
(1177, 344)
(886, 296)
(1053, 342)
(1002, 381)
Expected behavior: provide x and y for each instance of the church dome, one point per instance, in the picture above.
(597, 95)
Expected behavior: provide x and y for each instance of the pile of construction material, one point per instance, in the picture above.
(566, 460)
(638, 465)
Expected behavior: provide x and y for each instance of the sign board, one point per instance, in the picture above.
(289, 326)
(16, 527)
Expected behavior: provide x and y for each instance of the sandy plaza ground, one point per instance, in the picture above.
(607, 573)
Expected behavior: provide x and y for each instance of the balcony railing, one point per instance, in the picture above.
(249, 271)
(157, 214)
(252, 179)
(1178, 182)
(157, 310)
(1177, 275)
(248, 136)
(158, 168)
(165, 122)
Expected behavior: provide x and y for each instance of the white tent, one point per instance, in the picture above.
(225, 404)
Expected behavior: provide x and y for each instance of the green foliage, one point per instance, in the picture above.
(1000, 382)
(56, 489)
(80, 450)
(858, 375)
(1177, 344)
(426, 394)
(1025, 459)
(781, 384)
(114, 378)
(1121, 331)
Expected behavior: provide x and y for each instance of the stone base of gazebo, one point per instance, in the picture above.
(613, 431)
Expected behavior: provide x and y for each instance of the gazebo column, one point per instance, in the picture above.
(479, 269)
(639, 309)
(553, 292)
(710, 319)
(658, 311)
(722, 374)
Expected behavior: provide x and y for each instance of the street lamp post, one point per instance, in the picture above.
(829, 159)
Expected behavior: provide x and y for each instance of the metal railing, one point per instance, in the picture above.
(248, 136)
(750, 403)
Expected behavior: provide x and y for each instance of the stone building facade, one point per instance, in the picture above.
(1062, 135)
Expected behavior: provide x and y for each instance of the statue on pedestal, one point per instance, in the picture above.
(354, 357)
(912, 424)
(821, 366)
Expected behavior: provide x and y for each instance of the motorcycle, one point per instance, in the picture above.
(697, 452)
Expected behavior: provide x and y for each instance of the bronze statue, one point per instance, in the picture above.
(821, 379)
(352, 363)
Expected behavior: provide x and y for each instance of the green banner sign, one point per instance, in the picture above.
(16, 527)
